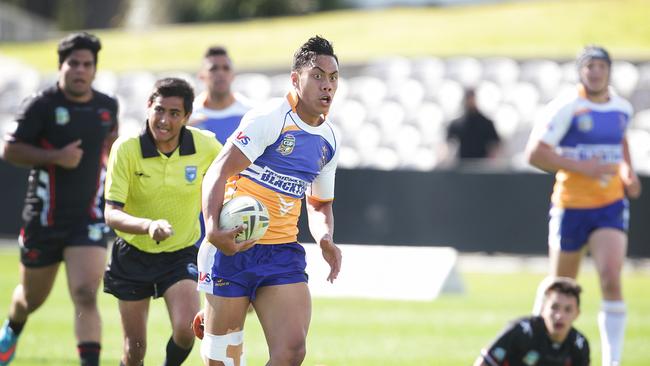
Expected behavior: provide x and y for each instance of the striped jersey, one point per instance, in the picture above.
(581, 129)
(56, 196)
(290, 159)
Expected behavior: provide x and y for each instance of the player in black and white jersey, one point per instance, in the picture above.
(63, 133)
(545, 340)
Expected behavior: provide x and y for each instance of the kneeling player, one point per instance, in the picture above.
(548, 339)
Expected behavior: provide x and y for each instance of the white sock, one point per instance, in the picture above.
(611, 323)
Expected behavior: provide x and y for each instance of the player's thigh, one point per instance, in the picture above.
(565, 263)
(85, 267)
(225, 315)
(284, 312)
(182, 301)
(134, 315)
(37, 283)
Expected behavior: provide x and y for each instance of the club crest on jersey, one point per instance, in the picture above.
(190, 173)
(531, 358)
(286, 145)
(585, 123)
(62, 116)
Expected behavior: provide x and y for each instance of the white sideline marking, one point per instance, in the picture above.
(386, 272)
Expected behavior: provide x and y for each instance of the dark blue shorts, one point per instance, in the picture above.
(241, 274)
(569, 229)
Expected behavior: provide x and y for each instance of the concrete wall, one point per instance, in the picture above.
(490, 211)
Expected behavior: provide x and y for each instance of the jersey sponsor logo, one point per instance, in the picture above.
(612, 154)
(243, 139)
(204, 277)
(285, 206)
(220, 282)
(104, 116)
(61, 115)
(192, 269)
(531, 358)
(585, 123)
(141, 174)
(285, 183)
(96, 231)
(31, 254)
(190, 173)
(286, 145)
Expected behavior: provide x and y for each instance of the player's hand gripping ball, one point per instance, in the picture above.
(198, 325)
(248, 212)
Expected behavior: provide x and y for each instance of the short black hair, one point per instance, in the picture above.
(566, 286)
(174, 87)
(78, 41)
(215, 51)
(307, 53)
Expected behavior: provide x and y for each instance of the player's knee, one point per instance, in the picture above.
(290, 353)
(224, 348)
(183, 336)
(84, 296)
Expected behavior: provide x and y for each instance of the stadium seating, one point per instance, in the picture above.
(392, 112)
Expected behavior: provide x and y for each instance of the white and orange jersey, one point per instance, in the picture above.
(581, 129)
(290, 158)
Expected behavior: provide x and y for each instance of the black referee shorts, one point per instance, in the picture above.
(135, 275)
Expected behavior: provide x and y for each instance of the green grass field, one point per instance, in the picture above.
(554, 28)
(448, 331)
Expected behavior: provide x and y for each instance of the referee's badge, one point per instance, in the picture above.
(190, 173)
(62, 115)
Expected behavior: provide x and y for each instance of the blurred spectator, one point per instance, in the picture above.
(218, 109)
(472, 135)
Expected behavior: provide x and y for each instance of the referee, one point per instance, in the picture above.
(153, 200)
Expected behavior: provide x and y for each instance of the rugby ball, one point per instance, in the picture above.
(246, 211)
(198, 324)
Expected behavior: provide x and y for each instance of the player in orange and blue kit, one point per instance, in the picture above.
(581, 137)
(280, 153)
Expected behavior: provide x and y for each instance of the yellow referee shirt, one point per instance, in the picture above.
(148, 184)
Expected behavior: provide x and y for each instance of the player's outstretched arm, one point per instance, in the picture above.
(229, 162)
(321, 225)
(118, 219)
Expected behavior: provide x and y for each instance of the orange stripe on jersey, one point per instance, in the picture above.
(283, 210)
(592, 192)
(290, 128)
(320, 199)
